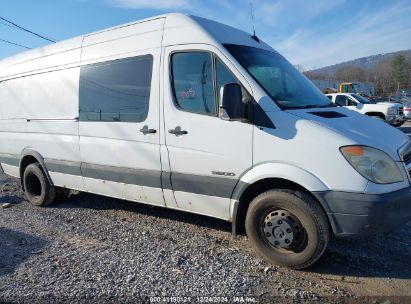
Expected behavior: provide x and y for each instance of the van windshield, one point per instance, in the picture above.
(282, 82)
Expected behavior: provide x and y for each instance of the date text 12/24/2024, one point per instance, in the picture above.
(202, 299)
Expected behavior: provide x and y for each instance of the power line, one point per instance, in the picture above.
(6, 24)
(9, 42)
(26, 30)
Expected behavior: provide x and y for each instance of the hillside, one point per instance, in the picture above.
(367, 63)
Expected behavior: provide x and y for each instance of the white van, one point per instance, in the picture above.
(190, 114)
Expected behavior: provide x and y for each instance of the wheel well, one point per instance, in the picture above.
(256, 189)
(26, 161)
(376, 114)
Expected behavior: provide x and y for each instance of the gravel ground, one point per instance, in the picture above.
(91, 248)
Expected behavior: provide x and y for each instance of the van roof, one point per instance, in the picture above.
(196, 30)
(61, 46)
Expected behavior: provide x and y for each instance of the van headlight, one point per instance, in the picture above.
(375, 165)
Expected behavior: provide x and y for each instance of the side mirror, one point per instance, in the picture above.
(231, 102)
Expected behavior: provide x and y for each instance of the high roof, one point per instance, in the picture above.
(179, 29)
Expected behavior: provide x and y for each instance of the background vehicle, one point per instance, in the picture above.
(378, 99)
(389, 112)
(329, 90)
(400, 97)
(347, 87)
(407, 110)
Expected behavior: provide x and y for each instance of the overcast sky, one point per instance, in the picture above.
(307, 32)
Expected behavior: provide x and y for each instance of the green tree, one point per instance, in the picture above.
(399, 68)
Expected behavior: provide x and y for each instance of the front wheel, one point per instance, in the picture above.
(397, 125)
(287, 228)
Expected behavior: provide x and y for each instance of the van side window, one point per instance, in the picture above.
(116, 90)
(223, 77)
(193, 82)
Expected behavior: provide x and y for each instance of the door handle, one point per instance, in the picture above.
(177, 131)
(145, 130)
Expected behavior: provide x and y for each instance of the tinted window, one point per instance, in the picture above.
(116, 90)
(330, 97)
(341, 100)
(193, 82)
(351, 101)
(361, 99)
(223, 76)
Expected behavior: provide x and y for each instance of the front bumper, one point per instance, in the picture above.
(400, 118)
(395, 119)
(390, 119)
(356, 214)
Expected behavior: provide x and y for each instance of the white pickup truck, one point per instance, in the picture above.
(392, 113)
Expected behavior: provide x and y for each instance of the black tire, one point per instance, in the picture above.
(306, 221)
(397, 125)
(37, 188)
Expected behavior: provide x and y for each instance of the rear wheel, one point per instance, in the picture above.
(37, 188)
(287, 228)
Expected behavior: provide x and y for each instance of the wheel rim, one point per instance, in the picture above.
(33, 185)
(283, 231)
